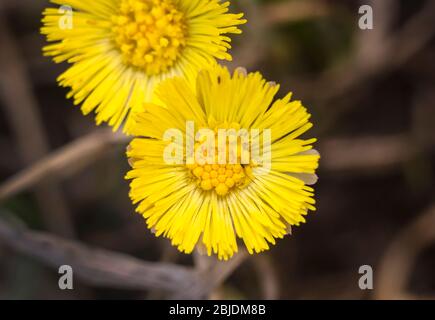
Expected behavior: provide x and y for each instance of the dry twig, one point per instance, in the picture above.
(97, 266)
(104, 268)
(267, 276)
(399, 259)
(213, 273)
(365, 153)
(290, 11)
(63, 163)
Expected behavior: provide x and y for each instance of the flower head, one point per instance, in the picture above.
(121, 49)
(221, 161)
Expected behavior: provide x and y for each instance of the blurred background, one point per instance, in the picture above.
(63, 199)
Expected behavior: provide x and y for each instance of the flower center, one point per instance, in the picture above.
(218, 175)
(220, 178)
(150, 34)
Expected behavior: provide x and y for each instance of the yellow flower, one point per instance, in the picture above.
(121, 49)
(194, 192)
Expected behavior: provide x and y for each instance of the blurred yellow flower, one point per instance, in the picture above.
(192, 187)
(121, 49)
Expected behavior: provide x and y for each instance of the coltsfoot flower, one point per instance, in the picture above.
(119, 50)
(222, 161)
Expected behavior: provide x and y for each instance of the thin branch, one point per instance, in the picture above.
(213, 273)
(399, 259)
(414, 35)
(97, 266)
(376, 51)
(290, 11)
(366, 153)
(63, 163)
(105, 268)
(267, 276)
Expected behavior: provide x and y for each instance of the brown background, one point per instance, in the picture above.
(372, 97)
